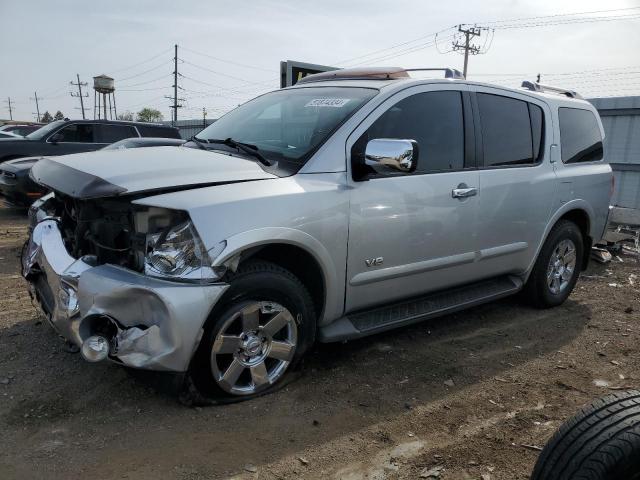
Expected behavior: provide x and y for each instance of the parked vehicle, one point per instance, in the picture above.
(600, 442)
(9, 135)
(18, 189)
(355, 202)
(74, 136)
(21, 130)
(145, 142)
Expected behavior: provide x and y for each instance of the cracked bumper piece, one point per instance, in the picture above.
(152, 324)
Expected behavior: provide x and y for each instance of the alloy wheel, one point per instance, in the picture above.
(562, 265)
(254, 347)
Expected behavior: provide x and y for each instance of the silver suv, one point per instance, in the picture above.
(353, 203)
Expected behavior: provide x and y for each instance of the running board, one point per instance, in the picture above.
(386, 317)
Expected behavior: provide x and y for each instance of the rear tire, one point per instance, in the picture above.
(601, 442)
(557, 267)
(255, 336)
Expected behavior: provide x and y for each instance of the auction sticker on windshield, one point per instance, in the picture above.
(328, 102)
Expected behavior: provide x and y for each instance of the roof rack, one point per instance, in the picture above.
(376, 73)
(448, 72)
(539, 87)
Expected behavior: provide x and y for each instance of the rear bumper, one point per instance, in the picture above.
(153, 324)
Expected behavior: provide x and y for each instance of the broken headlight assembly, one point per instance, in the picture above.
(173, 249)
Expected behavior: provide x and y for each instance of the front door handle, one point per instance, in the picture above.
(462, 191)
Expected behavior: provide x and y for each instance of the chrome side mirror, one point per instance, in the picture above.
(400, 155)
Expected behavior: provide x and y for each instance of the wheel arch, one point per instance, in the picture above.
(578, 212)
(296, 251)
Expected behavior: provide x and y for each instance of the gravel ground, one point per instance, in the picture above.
(472, 395)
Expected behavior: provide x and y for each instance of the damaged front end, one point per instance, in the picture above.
(130, 283)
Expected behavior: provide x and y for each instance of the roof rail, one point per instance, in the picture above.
(448, 72)
(539, 87)
(376, 73)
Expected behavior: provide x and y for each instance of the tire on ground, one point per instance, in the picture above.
(601, 442)
(536, 290)
(254, 281)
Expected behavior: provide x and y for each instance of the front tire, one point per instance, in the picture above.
(259, 332)
(557, 267)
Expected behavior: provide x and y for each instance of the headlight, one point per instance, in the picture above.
(176, 251)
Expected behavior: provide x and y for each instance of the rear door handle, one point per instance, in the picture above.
(462, 191)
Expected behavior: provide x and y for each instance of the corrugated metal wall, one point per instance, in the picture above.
(621, 122)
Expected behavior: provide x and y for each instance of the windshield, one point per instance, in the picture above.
(287, 126)
(44, 131)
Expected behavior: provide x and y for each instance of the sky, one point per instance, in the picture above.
(229, 51)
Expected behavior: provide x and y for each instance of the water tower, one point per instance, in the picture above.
(104, 92)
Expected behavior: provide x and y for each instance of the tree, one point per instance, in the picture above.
(149, 115)
(46, 117)
(126, 116)
(58, 116)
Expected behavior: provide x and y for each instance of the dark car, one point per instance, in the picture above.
(74, 136)
(17, 188)
(22, 130)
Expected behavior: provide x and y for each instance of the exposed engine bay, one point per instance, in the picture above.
(102, 228)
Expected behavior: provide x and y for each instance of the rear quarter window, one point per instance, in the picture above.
(580, 137)
(115, 133)
(163, 132)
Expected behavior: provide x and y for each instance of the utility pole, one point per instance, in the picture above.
(468, 48)
(36, 98)
(175, 98)
(175, 85)
(204, 117)
(79, 94)
(8, 102)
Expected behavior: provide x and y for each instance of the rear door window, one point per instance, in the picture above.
(115, 133)
(76, 133)
(580, 137)
(511, 130)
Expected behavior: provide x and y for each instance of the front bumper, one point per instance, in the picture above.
(156, 324)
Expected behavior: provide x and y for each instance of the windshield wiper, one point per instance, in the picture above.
(199, 141)
(245, 147)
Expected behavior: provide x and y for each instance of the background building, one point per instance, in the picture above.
(621, 121)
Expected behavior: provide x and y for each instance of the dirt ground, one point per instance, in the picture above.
(472, 395)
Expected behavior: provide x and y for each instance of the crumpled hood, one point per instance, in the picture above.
(119, 172)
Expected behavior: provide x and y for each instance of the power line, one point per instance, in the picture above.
(558, 15)
(401, 53)
(163, 77)
(143, 62)
(228, 61)
(430, 35)
(215, 72)
(568, 22)
(143, 73)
